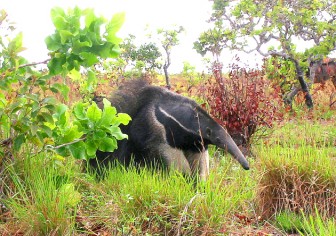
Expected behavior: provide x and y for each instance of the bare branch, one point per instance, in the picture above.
(65, 144)
(35, 63)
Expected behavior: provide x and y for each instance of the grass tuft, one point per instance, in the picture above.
(298, 173)
(316, 225)
(40, 196)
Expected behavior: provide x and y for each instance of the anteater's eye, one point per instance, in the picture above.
(208, 131)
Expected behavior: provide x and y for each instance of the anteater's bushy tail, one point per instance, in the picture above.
(126, 97)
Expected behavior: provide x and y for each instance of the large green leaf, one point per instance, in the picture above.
(73, 62)
(58, 18)
(60, 22)
(78, 150)
(15, 45)
(114, 26)
(47, 117)
(71, 134)
(53, 42)
(63, 151)
(75, 75)
(121, 118)
(108, 114)
(108, 144)
(14, 107)
(89, 59)
(91, 148)
(60, 114)
(99, 135)
(55, 65)
(18, 141)
(80, 46)
(3, 101)
(62, 88)
(73, 18)
(94, 113)
(49, 101)
(115, 51)
(89, 17)
(91, 81)
(46, 130)
(69, 193)
(33, 129)
(65, 36)
(79, 111)
(96, 28)
(115, 131)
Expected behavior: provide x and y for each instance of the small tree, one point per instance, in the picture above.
(211, 41)
(127, 51)
(169, 39)
(29, 114)
(139, 58)
(277, 27)
(189, 71)
(148, 53)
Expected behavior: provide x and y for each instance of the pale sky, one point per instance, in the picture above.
(33, 19)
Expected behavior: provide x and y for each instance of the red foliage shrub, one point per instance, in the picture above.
(244, 102)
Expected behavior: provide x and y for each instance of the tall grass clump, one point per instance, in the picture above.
(288, 221)
(39, 196)
(316, 225)
(298, 171)
(156, 202)
(313, 224)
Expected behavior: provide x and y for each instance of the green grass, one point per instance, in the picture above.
(316, 225)
(289, 222)
(292, 176)
(307, 147)
(305, 224)
(41, 196)
(303, 132)
(299, 176)
(168, 202)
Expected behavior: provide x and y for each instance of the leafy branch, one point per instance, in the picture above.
(30, 117)
(64, 144)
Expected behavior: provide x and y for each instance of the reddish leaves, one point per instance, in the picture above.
(244, 102)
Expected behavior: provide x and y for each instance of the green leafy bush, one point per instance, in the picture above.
(29, 111)
(89, 130)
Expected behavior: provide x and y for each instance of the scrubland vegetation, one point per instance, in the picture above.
(290, 188)
(47, 134)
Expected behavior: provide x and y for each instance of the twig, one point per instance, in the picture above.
(35, 63)
(65, 144)
(183, 217)
(25, 65)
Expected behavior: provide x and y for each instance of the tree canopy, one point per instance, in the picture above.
(250, 25)
(277, 28)
(168, 39)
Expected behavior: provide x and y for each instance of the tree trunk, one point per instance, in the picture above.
(165, 69)
(304, 86)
